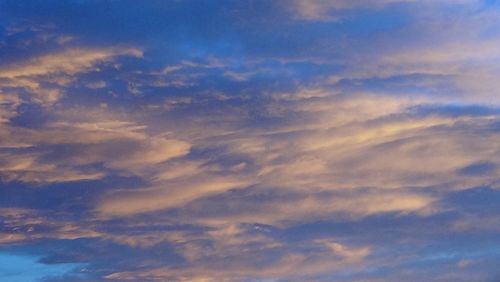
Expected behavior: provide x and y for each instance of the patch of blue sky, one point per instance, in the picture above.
(491, 3)
(28, 268)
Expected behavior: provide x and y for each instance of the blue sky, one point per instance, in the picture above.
(23, 268)
(287, 140)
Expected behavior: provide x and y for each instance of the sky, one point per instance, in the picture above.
(250, 141)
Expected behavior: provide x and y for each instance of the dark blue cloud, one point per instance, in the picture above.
(479, 169)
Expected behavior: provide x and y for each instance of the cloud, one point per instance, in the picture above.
(57, 68)
(365, 141)
(28, 225)
(8, 106)
(322, 10)
(166, 196)
(293, 266)
(285, 209)
(353, 254)
(376, 148)
(444, 57)
(69, 62)
(116, 144)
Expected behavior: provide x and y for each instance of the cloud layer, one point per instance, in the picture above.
(251, 141)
